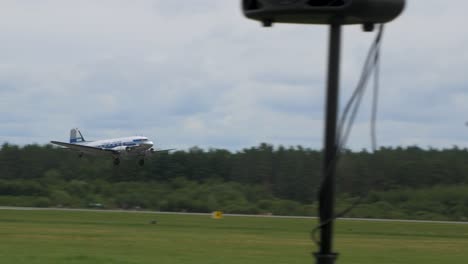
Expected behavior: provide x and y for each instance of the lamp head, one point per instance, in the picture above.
(346, 12)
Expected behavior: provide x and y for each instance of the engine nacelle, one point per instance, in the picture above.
(120, 148)
(150, 152)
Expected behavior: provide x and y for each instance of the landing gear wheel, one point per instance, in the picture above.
(116, 161)
(141, 162)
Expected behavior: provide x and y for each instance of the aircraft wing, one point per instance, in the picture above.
(137, 148)
(87, 149)
(162, 150)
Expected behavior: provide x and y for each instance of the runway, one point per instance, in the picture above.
(234, 215)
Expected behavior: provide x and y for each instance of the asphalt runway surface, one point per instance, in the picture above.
(184, 213)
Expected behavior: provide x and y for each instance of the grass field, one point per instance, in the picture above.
(107, 237)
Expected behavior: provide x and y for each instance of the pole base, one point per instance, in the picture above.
(325, 258)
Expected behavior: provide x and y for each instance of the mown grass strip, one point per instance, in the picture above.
(116, 237)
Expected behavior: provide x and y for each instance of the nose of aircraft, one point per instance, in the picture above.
(148, 144)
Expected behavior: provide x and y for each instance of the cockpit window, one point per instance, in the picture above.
(140, 140)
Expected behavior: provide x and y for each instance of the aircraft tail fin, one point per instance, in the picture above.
(76, 136)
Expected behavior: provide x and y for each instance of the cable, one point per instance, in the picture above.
(355, 100)
(375, 100)
(347, 118)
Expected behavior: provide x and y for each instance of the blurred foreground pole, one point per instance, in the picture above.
(327, 192)
(334, 13)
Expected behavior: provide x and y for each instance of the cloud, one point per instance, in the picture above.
(199, 73)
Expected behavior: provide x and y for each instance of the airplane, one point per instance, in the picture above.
(136, 146)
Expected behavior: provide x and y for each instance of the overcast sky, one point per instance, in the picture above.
(197, 73)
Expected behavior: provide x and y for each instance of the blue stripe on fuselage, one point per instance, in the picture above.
(117, 144)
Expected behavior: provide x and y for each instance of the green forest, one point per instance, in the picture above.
(400, 183)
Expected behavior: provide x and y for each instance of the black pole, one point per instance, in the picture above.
(327, 192)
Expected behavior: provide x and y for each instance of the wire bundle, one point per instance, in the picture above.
(348, 116)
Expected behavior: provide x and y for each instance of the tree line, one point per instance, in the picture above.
(401, 182)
